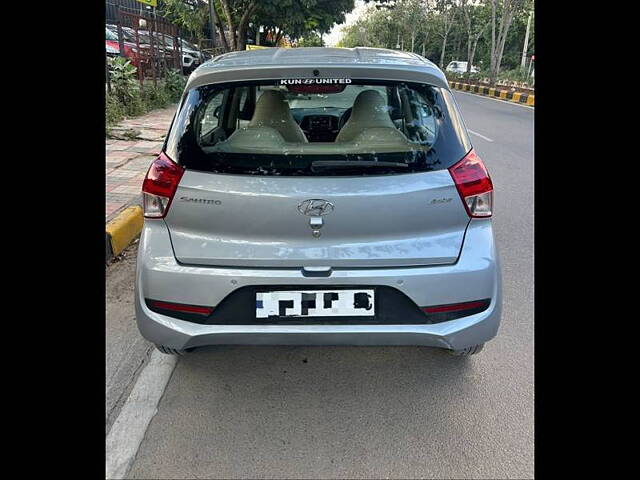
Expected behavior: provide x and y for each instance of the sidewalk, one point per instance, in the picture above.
(129, 160)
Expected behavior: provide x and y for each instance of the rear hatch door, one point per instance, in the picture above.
(367, 221)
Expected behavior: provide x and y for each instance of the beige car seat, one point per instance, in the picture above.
(273, 111)
(369, 111)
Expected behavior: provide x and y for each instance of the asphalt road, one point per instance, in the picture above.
(371, 412)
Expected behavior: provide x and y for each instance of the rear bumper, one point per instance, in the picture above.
(476, 275)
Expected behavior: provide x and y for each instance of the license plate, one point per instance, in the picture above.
(316, 303)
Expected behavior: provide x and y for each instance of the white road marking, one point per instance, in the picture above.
(128, 430)
(486, 97)
(481, 136)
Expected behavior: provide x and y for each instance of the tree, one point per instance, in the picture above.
(447, 13)
(508, 9)
(311, 39)
(295, 18)
(191, 15)
(476, 22)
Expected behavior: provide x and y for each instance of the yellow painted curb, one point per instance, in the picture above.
(502, 94)
(126, 226)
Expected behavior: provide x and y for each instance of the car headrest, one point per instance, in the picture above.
(369, 111)
(273, 111)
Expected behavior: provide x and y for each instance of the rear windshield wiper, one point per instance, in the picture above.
(355, 163)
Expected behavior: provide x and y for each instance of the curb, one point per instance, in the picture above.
(516, 97)
(122, 230)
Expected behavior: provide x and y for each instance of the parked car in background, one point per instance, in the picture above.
(460, 67)
(192, 57)
(112, 47)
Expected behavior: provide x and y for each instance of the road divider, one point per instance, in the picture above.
(123, 229)
(516, 97)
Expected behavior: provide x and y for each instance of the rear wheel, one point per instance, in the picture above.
(465, 352)
(172, 351)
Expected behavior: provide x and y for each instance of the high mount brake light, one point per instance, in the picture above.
(474, 185)
(160, 186)
(313, 88)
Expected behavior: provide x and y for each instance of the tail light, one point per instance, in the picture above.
(474, 185)
(160, 186)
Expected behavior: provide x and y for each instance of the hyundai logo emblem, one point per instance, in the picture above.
(315, 207)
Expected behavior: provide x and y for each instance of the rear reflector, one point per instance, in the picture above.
(455, 307)
(160, 186)
(179, 307)
(474, 185)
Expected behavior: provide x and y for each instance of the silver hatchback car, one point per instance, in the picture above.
(318, 196)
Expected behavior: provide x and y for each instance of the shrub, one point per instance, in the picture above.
(114, 111)
(155, 97)
(128, 99)
(515, 75)
(174, 83)
(123, 79)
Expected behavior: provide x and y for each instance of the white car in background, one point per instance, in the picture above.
(460, 67)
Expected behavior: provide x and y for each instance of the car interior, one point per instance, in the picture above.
(355, 119)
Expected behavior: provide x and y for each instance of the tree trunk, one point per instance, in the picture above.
(413, 40)
(469, 59)
(492, 56)
(507, 17)
(444, 46)
(217, 24)
(523, 62)
(424, 43)
(230, 24)
(472, 55)
(279, 36)
(242, 26)
(223, 37)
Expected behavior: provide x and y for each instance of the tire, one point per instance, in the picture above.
(171, 351)
(465, 352)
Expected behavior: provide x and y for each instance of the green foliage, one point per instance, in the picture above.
(311, 39)
(300, 18)
(127, 99)
(114, 111)
(515, 75)
(123, 79)
(154, 97)
(174, 83)
(386, 23)
(462, 77)
(191, 16)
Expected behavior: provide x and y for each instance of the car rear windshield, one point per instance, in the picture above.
(317, 127)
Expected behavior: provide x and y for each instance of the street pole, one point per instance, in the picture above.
(523, 62)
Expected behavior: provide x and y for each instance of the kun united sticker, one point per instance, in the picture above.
(315, 81)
